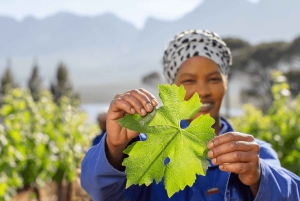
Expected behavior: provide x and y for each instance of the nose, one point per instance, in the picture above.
(203, 90)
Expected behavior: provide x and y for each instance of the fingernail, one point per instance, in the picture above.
(149, 106)
(210, 145)
(143, 111)
(154, 102)
(221, 167)
(214, 160)
(132, 110)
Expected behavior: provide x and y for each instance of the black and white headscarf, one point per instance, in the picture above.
(191, 43)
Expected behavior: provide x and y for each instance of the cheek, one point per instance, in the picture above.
(218, 93)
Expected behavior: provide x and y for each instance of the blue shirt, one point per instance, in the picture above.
(103, 182)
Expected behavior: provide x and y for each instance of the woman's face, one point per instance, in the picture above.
(202, 75)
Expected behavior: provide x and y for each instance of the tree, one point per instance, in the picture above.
(294, 82)
(62, 86)
(7, 80)
(293, 49)
(268, 54)
(35, 83)
(236, 43)
(259, 62)
(292, 55)
(239, 50)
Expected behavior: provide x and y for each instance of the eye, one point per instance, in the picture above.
(215, 79)
(188, 81)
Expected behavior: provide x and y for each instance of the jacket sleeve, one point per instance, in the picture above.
(98, 178)
(276, 183)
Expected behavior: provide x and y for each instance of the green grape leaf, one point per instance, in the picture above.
(184, 149)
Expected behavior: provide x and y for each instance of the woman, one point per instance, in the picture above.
(241, 167)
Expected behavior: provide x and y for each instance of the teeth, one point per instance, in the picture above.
(206, 104)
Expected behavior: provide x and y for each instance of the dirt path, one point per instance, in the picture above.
(48, 193)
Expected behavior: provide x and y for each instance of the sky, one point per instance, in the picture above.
(134, 11)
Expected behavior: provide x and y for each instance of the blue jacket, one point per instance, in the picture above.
(98, 138)
(104, 183)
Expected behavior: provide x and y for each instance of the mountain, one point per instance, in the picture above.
(268, 20)
(105, 49)
(63, 32)
(85, 44)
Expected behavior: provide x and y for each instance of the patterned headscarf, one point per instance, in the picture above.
(191, 43)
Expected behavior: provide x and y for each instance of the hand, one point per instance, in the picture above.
(237, 153)
(138, 100)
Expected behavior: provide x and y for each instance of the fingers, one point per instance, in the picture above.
(142, 91)
(238, 168)
(235, 157)
(130, 102)
(237, 153)
(234, 150)
(249, 173)
(138, 100)
(152, 98)
(228, 137)
(233, 146)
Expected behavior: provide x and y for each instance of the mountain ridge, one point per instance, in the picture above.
(106, 49)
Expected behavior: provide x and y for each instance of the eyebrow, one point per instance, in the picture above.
(215, 72)
(209, 74)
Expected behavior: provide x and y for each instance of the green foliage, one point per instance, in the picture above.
(39, 139)
(279, 126)
(10, 179)
(185, 148)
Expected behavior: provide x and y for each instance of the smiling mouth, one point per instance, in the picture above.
(206, 106)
